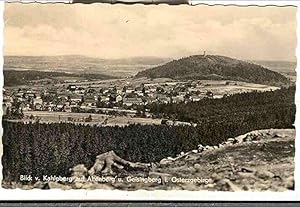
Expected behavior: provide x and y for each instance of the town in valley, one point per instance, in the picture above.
(113, 102)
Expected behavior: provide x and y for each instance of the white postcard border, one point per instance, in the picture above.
(114, 195)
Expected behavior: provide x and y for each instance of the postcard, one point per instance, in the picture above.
(139, 99)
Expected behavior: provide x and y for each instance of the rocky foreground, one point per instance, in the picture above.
(261, 160)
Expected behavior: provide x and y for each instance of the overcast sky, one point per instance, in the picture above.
(117, 31)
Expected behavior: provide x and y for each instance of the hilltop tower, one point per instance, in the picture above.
(204, 53)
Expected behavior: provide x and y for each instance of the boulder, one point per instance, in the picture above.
(54, 185)
(165, 161)
(247, 138)
(78, 171)
(290, 183)
(227, 143)
(232, 140)
(200, 148)
(207, 147)
(197, 166)
(264, 174)
(40, 185)
(231, 185)
(247, 170)
(108, 163)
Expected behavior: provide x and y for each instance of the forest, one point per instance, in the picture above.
(38, 149)
(23, 77)
(215, 67)
(245, 107)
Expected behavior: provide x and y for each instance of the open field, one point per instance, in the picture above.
(97, 119)
(220, 87)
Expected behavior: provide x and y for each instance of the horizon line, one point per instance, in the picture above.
(173, 58)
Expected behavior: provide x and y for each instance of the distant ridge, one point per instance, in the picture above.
(215, 67)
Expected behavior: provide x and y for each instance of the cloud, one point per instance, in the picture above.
(114, 31)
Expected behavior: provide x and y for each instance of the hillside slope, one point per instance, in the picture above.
(216, 68)
(261, 160)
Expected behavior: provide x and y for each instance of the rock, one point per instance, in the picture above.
(200, 148)
(207, 147)
(197, 166)
(232, 186)
(261, 186)
(247, 170)
(79, 168)
(277, 177)
(228, 143)
(53, 185)
(264, 174)
(78, 185)
(245, 187)
(210, 185)
(290, 183)
(102, 186)
(26, 187)
(248, 138)
(195, 151)
(181, 153)
(231, 140)
(227, 185)
(256, 138)
(40, 185)
(105, 162)
(215, 147)
(216, 177)
(87, 186)
(79, 171)
(165, 161)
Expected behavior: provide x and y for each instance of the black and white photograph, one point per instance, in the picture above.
(149, 97)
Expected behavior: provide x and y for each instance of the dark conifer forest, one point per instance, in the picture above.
(51, 149)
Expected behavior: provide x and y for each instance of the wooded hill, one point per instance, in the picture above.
(23, 77)
(214, 67)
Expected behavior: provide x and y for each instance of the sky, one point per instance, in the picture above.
(122, 31)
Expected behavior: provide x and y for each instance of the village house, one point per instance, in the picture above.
(129, 90)
(37, 101)
(79, 90)
(132, 101)
(104, 98)
(38, 107)
(75, 98)
(119, 98)
(196, 98)
(163, 99)
(178, 99)
(7, 99)
(72, 88)
(89, 100)
(67, 108)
